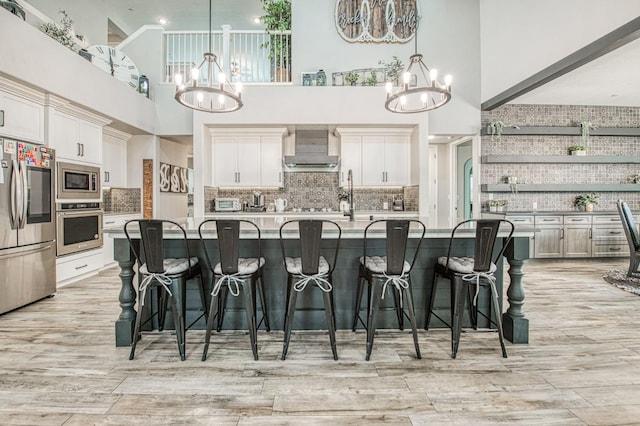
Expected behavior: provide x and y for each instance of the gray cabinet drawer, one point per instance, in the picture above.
(520, 220)
(548, 220)
(577, 220)
(610, 250)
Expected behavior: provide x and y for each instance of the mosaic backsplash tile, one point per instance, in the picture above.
(318, 190)
(122, 200)
(541, 173)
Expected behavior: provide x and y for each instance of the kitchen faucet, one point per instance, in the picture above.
(351, 212)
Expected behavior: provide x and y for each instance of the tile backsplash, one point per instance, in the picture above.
(122, 200)
(572, 173)
(318, 190)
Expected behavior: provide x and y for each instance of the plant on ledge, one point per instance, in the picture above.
(585, 127)
(586, 201)
(578, 150)
(496, 128)
(62, 32)
(352, 78)
(277, 18)
(393, 69)
(634, 178)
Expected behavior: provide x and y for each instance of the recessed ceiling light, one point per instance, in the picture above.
(162, 21)
(257, 20)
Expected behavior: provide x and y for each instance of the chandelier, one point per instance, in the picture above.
(420, 89)
(202, 92)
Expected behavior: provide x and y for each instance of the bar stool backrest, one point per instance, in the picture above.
(310, 237)
(397, 235)
(486, 233)
(151, 250)
(629, 225)
(310, 231)
(228, 236)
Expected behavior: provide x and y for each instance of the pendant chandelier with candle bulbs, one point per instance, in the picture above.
(202, 92)
(420, 90)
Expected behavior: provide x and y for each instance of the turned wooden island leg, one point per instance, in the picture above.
(515, 325)
(127, 297)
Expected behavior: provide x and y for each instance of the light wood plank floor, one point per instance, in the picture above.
(59, 366)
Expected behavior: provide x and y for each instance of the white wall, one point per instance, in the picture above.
(520, 38)
(170, 204)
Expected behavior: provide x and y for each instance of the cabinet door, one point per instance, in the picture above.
(225, 169)
(114, 161)
(548, 242)
(577, 241)
(271, 167)
(21, 118)
(396, 161)
(249, 160)
(90, 139)
(351, 159)
(373, 161)
(64, 136)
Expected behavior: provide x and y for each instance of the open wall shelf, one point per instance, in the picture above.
(562, 187)
(566, 131)
(560, 159)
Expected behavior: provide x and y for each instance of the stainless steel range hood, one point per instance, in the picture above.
(312, 150)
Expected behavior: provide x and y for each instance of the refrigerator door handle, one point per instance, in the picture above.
(15, 197)
(25, 196)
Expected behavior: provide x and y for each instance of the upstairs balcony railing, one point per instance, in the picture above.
(247, 56)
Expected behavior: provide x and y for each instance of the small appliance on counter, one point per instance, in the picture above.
(227, 205)
(257, 203)
(398, 205)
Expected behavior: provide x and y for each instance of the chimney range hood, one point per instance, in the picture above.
(312, 150)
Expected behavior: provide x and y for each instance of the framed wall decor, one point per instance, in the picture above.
(184, 179)
(377, 21)
(175, 178)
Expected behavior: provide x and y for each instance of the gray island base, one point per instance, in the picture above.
(516, 326)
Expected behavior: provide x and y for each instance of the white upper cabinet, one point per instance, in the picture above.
(377, 157)
(247, 157)
(114, 158)
(21, 112)
(75, 134)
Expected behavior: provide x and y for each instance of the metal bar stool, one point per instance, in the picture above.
(310, 269)
(463, 271)
(168, 275)
(232, 274)
(633, 239)
(387, 270)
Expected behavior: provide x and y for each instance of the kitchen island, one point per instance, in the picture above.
(345, 276)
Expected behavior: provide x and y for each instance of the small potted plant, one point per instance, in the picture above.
(372, 80)
(500, 205)
(634, 178)
(496, 128)
(62, 32)
(578, 150)
(493, 205)
(352, 78)
(586, 201)
(393, 69)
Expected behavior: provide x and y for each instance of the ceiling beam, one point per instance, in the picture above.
(609, 42)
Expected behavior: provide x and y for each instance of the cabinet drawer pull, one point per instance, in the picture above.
(614, 249)
(547, 220)
(80, 267)
(614, 219)
(615, 232)
(1, 118)
(110, 223)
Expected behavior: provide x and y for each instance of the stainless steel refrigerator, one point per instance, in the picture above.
(27, 224)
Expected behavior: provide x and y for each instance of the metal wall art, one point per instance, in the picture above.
(378, 21)
(173, 178)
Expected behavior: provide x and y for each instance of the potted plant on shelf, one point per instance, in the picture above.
(578, 150)
(372, 80)
(500, 205)
(585, 127)
(586, 201)
(634, 178)
(393, 69)
(277, 18)
(493, 205)
(496, 128)
(352, 78)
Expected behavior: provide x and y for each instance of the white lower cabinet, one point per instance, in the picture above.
(113, 222)
(76, 266)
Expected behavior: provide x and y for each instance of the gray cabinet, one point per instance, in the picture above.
(577, 236)
(548, 242)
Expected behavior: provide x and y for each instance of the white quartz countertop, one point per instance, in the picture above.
(270, 226)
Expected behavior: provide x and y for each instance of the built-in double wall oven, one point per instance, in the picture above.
(78, 208)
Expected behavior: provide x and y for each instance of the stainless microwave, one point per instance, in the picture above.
(78, 181)
(227, 205)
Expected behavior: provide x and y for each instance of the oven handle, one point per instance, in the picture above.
(78, 213)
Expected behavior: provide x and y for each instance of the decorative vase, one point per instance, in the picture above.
(578, 152)
(588, 207)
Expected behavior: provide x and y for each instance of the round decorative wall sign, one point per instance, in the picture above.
(379, 21)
